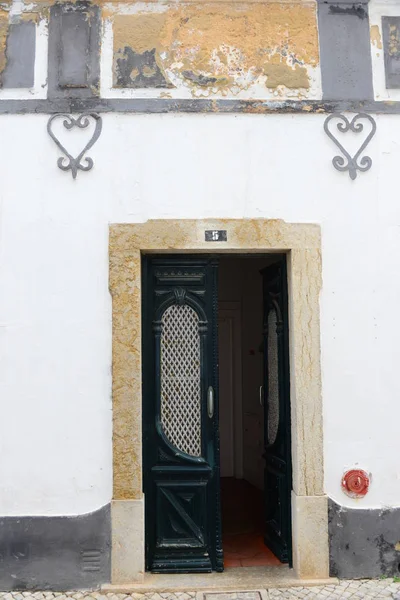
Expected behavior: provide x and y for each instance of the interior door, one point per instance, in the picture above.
(180, 412)
(277, 447)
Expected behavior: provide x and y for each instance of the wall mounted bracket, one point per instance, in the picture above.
(74, 164)
(344, 125)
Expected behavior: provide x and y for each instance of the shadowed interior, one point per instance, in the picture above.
(240, 325)
(242, 525)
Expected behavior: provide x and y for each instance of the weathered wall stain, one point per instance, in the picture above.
(375, 35)
(372, 550)
(3, 39)
(354, 10)
(221, 47)
(139, 70)
(206, 49)
(279, 73)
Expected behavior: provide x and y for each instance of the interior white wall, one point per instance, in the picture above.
(55, 309)
(253, 376)
(240, 282)
(230, 276)
(226, 392)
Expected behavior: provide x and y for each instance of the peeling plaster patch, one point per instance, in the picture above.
(3, 40)
(137, 62)
(139, 70)
(213, 48)
(376, 38)
(30, 17)
(201, 79)
(282, 74)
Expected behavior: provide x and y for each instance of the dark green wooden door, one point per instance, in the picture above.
(278, 475)
(180, 415)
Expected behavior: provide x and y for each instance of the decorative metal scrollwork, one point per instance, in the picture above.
(352, 165)
(180, 378)
(74, 164)
(180, 295)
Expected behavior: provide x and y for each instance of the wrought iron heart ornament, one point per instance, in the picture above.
(74, 164)
(352, 165)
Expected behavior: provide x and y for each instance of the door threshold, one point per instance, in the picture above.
(232, 579)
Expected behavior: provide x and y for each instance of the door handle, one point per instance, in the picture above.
(210, 401)
(261, 395)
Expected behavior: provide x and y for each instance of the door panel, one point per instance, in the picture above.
(277, 474)
(180, 425)
(184, 507)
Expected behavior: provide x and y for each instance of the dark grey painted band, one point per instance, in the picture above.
(345, 50)
(57, 553)
(155, 106)
(20, 56)
(363, 542)
(74, 50)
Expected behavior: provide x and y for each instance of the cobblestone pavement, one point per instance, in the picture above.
(371, 589)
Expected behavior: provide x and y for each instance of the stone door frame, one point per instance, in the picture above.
(302, 243)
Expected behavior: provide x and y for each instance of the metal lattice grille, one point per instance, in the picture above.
(180, 378)
(273, 378)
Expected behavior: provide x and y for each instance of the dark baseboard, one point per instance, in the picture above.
(57, 553)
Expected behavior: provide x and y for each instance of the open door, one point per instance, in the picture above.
(180, 415)
(278, 473)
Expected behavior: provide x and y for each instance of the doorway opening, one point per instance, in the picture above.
(216, 423)
(241, 410)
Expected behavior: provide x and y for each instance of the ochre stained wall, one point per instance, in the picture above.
(3, 38)
(217, 47)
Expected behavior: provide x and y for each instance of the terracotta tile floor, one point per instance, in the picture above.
(242, 525)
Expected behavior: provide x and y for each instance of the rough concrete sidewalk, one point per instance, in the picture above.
(371, 589)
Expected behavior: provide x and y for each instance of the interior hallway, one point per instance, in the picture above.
(240, 325)
(242, 525)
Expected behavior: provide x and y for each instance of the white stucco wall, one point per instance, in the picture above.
(55, 308)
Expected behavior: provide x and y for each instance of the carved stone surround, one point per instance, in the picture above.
(302, 243)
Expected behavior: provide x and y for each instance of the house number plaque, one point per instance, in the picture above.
(216, 235)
